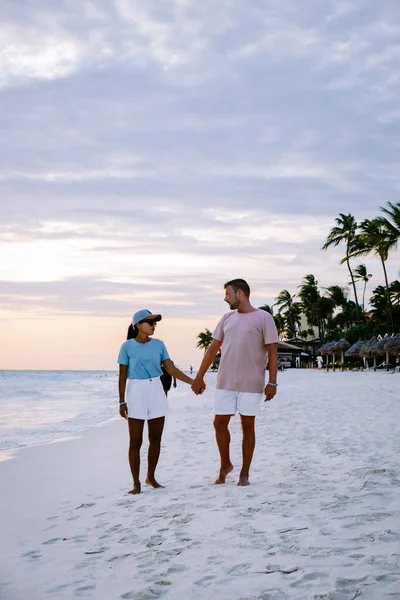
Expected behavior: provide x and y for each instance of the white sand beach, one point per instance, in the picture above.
(320, 520)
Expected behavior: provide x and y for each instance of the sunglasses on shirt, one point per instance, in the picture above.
(149, 321)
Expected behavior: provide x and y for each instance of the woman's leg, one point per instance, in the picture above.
(135, 443)
(156, 427)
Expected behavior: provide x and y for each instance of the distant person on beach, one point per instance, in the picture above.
(166, 380)
(141, 394)
(248, 338)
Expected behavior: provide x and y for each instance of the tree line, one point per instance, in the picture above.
(333, 311)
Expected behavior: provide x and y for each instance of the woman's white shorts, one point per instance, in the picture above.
(146, 399)
(227, 402)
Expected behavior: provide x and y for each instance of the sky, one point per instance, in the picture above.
(155, 150)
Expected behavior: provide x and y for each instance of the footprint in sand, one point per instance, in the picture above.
(85, 590)
(205, 581)
(145, 594)
(241, 569)
(52, 541)
(35, 554)
(177, 569)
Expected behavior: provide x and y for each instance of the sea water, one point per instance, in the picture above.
(38, 407)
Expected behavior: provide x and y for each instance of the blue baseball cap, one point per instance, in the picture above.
(144, 314)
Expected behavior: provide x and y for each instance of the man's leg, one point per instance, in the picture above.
(135, 443)
(156, 427)
(248, 444)
(223, 438)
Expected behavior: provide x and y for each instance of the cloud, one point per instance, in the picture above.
(184, 142)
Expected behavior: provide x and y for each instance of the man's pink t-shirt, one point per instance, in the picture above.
(243, 352)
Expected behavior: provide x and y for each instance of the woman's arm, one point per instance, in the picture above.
(176, 373)
(123, 375)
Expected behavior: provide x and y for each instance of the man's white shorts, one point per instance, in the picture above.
(146, 399)
(227, 402)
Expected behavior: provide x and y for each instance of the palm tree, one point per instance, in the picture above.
(361, 274)
(205, 338)
(286, 302)
(316, 308)
(338, 294)
(279, 319)
(345, 231)
(377, 237)
(394, 213)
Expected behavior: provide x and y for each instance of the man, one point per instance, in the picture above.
(248, 336)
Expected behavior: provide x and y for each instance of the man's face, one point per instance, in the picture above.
(231, 297)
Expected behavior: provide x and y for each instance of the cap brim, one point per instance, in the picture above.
(153, 318)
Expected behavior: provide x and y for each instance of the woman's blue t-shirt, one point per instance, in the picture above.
(143, 360)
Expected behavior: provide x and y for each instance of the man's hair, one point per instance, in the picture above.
(239, 284)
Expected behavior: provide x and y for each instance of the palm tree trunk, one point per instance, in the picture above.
(365, 285)
(355, 294)
(388, 295)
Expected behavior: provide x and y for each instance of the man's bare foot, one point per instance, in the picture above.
(223, 472)
(243, 480)
(136, 489)
(151, 481)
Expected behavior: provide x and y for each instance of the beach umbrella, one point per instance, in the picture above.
(340, 346)
(392, 345)
(354, 350)
(366, 350)
(332, 350)
(379, 348)
(324, 351)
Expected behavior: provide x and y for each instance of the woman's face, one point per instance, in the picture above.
(148, 326)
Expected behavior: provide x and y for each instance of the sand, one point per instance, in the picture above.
(321, 518)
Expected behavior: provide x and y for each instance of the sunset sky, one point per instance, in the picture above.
(153, 150)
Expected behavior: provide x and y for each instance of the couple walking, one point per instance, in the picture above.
(247, 338)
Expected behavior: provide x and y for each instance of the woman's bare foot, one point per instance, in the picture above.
(243, 480)
(223, 472)
(136, 489)
(151, 481)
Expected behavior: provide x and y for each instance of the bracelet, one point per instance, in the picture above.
(121, 403)
(274, 384)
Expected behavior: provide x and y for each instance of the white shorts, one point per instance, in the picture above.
(227, 402)
(146, 399)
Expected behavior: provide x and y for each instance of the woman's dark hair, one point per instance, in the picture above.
(132, 332)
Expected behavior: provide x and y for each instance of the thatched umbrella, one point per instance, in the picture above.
(325, 351)
(341, 346)
(379, 349)
(354, 350)
(366, 350)
(392, 346)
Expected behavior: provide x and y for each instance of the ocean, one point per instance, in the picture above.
(38, 407)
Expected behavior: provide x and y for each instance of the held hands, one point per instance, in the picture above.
(198, 386)
(270, 392)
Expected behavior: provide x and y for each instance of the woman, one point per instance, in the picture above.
(140, 359)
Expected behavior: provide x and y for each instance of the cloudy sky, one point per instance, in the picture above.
(154, 150)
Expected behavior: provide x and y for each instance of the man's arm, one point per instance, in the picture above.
(270, 390)
(198, 385)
